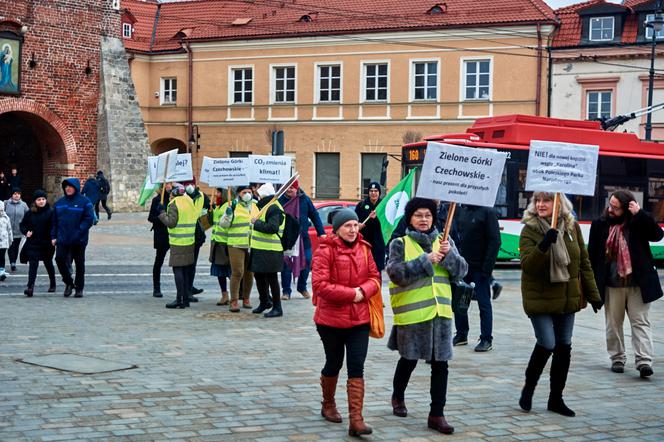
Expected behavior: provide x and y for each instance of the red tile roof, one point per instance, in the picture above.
(212, 19)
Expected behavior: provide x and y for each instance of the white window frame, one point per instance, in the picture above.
(411, 76)
(273, 83)
(163, 90)
(318, 78)
(127, 27)
(231, 84)
(648, 31)
(464, 77)
(363, 81)
(600, 94)
(601, 28)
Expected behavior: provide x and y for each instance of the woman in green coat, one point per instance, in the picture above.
(555, 274)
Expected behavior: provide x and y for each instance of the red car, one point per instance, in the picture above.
(324, 208)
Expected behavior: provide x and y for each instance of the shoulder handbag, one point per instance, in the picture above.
(376, 318)
(462, 294)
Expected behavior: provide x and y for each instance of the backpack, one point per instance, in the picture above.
(291, 232)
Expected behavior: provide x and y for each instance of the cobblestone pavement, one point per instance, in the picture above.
(206, 374)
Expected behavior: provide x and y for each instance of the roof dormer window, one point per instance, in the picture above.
(126, 30)
(439, 8)
(308, 18)
(601, 28)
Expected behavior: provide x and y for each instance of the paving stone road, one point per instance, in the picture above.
(206, 374)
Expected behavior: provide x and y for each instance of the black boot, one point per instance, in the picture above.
(68, 290)
(157, 293)
(559, 369)
(538, 360)
(262, 305)
(177, 303)
(276, 307)
(51, 287)
(29, 291)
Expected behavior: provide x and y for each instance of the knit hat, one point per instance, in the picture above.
(191, 181)
(16, 190)
(266, 189)
(296, 184)
(341, 217)
(374, 186)
(420, 203)
(39, 193)
(178, 189)
(239, 189)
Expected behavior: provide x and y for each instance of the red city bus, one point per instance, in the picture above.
(625, 162)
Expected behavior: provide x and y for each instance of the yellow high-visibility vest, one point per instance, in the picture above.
(269, 241)
(240, 228)
(425, 298)
(219, 234)
(183, 233)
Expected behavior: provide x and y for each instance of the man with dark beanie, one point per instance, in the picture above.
(370, 225)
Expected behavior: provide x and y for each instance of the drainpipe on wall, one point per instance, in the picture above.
(190, 86)
(538, 93)
(550, 83)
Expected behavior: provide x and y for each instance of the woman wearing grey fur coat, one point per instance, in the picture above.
(420, 268)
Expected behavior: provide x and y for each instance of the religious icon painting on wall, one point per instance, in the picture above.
(10, 63)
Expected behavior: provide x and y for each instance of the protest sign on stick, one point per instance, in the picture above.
(225, 172)
(275, 169)
(162, 166)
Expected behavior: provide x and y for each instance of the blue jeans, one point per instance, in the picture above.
(287, 276)
(483, 297)
(552, 330)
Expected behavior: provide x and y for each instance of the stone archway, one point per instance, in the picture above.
(165, 144)
(36, 141)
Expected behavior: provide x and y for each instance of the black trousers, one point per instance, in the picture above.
(182, 284)
(192, 268)
(13, 250)
(266, 282)
(75, 253)
(2, 258)
(438, 388)
(354, 341)
(103, 203)
(34, 266)
(156, 268)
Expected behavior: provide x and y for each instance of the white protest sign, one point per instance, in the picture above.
(465, 175)
(562, 167)
(274, 169)
(225, 172)
(162, 165)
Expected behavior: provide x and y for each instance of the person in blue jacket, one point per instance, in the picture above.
(72, 218)
(296, 203)
(91, 190)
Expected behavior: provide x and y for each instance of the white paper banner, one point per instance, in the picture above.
(562, 167)
(181, 169)
(274, 169)
(225, 172)
(162, 166)
(465, 175)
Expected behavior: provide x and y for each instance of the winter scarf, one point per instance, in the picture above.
(616, 248)
(559, 256)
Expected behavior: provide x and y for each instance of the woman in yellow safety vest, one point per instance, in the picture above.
(220, 264)
(237, 220)
(420, 268)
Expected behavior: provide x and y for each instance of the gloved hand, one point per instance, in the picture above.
(229, 211)
(161, 208)
(550, 237)
(596, 305)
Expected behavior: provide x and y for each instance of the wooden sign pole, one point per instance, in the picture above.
(163, 185)
(448, 221)
(556, 209)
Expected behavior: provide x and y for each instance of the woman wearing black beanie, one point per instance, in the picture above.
(36, 226)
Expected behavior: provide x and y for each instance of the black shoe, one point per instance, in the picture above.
(195, 291)
(192, 299)
(174, 304)
(483, 346)
(261, 308)
(13, 267)
(28, 292)
(157, 294)
(78, 294)
(3, 277)
(558, 406)
(51, 288)
(109, 215)
(496, 288)
(459, 340)
(274, 313)
(68, 290)
(618, 367)
(645, 371)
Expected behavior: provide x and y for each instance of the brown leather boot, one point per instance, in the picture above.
(439, 424)
(355, 389)
(329, 406)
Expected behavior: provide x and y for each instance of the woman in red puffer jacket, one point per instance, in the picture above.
(344, 277)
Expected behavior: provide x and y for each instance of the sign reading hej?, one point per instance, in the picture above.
(562, 167)
(465, 175)
(170, 166)
(274, 169)
(225, 172)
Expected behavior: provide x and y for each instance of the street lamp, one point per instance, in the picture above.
(194, 137)
(656, 24)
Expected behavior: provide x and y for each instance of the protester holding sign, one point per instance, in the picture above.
(626, 277)
(421, 266)
(220, 262)
(267, 253)
(237, 219)
(159, 240)
(202, 204)
(370, 224)
(555, 274)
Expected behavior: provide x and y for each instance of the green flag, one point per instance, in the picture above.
(147, 190)
(390, 210)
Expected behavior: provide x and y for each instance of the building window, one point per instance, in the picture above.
(284, 84)
(425, 80)
(169, 88)
(329, 83)
(372, 166)
(601, 28)
(327, 175)
(599, 104)
(239, 154)
(242, 85)
(126, 30)
(660, 33)
(375, 82)
(477, 74)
